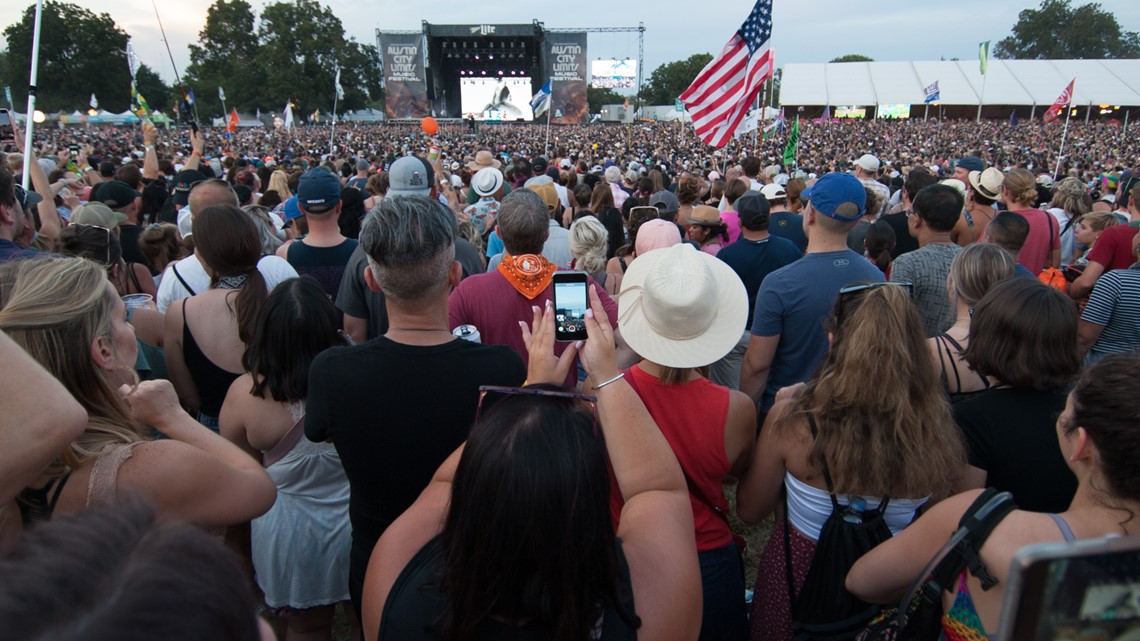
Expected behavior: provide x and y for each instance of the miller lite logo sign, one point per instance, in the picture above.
(484, 30)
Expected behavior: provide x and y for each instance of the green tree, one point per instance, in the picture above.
(156, 92)
(80, 53)
(599, 97)
(853, 57)
(301, 45)
(1056, 30)
(226, 57)
(671, 79)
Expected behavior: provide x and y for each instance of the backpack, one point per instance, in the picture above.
(918, 616)
(1054, 278)
(824, 610)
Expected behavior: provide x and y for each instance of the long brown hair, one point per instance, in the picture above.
(229, 244)
(884, 422)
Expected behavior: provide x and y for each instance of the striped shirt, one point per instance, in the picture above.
(1115, 304)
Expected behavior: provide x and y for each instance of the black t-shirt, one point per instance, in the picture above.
(1012, 435)
(394, 413)
(904, 242)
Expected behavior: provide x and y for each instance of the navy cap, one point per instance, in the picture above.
(833, 190)
(971, 163)
(318, 191)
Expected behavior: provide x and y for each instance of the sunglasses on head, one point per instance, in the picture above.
(493, 391)
(852, 289)
(106, 243)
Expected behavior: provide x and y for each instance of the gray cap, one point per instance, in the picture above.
(665, 202)
(410, 176)
(362, 165)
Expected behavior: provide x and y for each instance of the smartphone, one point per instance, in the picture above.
(193, 126)
(74, 150)
(570, 304)
(5, 125)
(1082, 590)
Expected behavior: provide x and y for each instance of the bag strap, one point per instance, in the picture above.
(1068, 225)
(174, 268)
(791, 580)
(285, 445)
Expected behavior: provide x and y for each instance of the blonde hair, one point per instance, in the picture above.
(588, 241)
(1099, 221)
(884, 422)
(55, 309)
(279, 182)
(979, 267)
(1022, 187)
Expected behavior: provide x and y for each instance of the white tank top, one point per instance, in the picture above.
(809, 507)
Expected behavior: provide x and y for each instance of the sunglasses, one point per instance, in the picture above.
(21, 196)
(106, 241)
(852, 289)
(486, 391)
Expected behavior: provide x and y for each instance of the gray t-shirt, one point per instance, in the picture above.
(927, 268)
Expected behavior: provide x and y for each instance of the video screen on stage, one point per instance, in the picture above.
(500, 99)
(893, 111)
(613, 74)
(852, 111)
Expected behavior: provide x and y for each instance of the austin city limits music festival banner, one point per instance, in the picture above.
(566, 64)
(405, 82)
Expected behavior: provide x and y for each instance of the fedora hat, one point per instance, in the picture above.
(483, 159)
(987, 183)
(681, 307)
(705, 215)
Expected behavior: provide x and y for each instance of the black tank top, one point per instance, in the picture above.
(212, 381)
(325, 264)
(416, 603)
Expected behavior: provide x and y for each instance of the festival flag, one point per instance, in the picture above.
(793, 145)
(231, 127)
(751, 122)
(1013, 118)
(138, 103)
(1061, 103)
(94, 103)
(190, 96)
(983, 56)
(258, 116)
(932, 93)
(133, 62)
(339, 89)
(221, 94)
(289, 114)
(540, 102)
(724, 90)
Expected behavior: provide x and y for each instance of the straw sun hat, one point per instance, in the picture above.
(681, 307)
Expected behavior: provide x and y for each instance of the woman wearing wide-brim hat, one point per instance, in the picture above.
(707, 229)
(680, 310)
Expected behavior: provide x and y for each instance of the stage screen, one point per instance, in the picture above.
(506, 99)
(893, 111)
(853, 111)
(613, 74)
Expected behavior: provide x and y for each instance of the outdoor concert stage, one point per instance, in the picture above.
(488, 72)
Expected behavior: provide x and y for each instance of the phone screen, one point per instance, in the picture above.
(570, 304)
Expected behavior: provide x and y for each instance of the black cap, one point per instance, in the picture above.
(753, 210)
(117, 194)
(183, 182)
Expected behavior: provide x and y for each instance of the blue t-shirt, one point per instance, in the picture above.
(794, 302)
(790, 225)
(1019, 271)
(494, 244)
(752, 260)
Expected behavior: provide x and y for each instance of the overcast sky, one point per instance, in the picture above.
(804, 30)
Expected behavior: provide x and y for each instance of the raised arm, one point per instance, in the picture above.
(150, 161)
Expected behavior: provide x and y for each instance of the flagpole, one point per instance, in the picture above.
(1068, 113)
(549, 104)
(1125, 129)
(332, 132)
(29, 121)
(982, 98)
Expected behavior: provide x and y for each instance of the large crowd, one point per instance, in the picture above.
(254, 377)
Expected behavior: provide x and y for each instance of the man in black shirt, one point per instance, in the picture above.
(398, 405)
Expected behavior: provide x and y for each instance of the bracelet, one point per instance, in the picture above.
(149, 147)
(620, 376)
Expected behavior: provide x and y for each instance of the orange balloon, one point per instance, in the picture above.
(430, 126)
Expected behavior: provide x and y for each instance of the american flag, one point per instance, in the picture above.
(724, 90)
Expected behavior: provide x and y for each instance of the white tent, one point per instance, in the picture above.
(960, 82)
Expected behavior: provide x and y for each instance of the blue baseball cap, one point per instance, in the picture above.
(318, 191)
(833, 190)
(971, 163)
(292, 211)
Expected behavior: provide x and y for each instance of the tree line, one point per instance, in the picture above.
(291, 51)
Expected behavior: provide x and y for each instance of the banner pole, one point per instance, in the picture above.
(982, 98)
(1061, 151)
(29, 120)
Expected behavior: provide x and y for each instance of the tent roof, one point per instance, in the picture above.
(1008, 82)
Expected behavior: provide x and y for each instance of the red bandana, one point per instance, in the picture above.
(529, 274)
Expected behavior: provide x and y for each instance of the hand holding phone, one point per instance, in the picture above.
(570, 304)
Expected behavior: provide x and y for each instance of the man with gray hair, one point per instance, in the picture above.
(397, 406)
(496, 302)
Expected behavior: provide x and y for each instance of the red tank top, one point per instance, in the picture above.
(692, 417)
